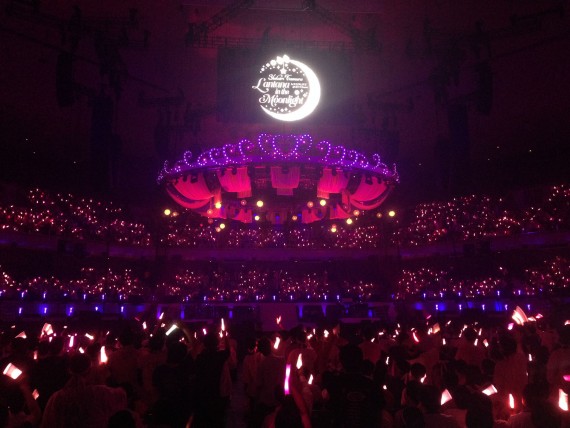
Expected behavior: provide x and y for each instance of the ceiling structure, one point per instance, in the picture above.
(463, 96)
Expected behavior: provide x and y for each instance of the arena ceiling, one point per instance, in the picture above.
(462, 96)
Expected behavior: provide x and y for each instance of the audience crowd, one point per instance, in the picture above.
(153, 371)
(253, 283)
(461, 219)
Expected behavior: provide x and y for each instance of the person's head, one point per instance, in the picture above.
(176, 353)
(56, 346)
(417, 371)
(430, 399)
(470, 335)
(351, 358)
(264, 346)
(127, 337)
(368, 332)
(534, 394)
(564, 335)
(43, 349)
(93, 350)
(298, 335)
(156, 342)
(508, 344)
(211, 342)
(122, 419)
(288, 415)
(546, 415)
(479, 415)
(412, 417)
(79, 364)
(367, 368)
(251, 344)
(413, 393)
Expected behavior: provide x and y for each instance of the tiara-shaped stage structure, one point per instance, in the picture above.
(279, 178)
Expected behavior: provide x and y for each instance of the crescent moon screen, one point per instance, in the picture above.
(270, 86)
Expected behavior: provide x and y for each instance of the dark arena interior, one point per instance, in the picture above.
(284, 213)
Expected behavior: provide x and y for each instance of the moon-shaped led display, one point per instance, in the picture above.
(289, 89)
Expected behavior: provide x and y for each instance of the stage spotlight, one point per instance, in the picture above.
(310, 204)
(348, 221)
(333, 228)
(218, 205)
(167, 212)
(259, 203)
(323, 202)
(222, 226)
(391, 213)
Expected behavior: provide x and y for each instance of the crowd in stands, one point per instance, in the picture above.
(69, 216)
(551, 277)
(458, 220)
(155, 371)
(254, 283)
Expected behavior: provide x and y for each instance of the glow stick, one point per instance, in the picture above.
(81, 350)
(511, 401)
(299, 362)
(171, 329)
(22, 335)
(35, 355)
(71, 340)
(161, 315)
(445, 397)
(310, 382)
(476, 341)
(538, 316)
(144, 325)
(35, 394)
(415, 336)
(443, 341)
(387, 360)
(519, 316)
(88, 336)
(326, 333)
(485, 343)
(103, 356)
(223, 325)
(12, 371)
(278, 320)
(204, 331)
(47, 330)
(436, 328)
(530, 358)
(423, 379)
(287, 375)
(490, 390)
(510, 326)
(562, 400)
(277, 340)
